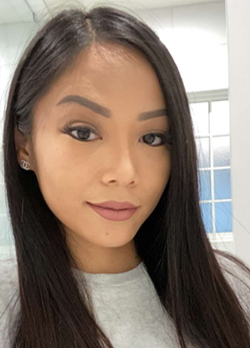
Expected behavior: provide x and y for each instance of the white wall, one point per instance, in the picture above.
(238, 23)
(196, 37)
(13, 38)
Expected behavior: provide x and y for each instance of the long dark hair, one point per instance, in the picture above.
(172, 242)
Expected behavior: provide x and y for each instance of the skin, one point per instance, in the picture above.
(117, 163)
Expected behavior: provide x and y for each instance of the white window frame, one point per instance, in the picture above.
(211, 96)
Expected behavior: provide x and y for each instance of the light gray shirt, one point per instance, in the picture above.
(126, 305)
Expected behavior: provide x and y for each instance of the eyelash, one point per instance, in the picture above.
(166, 138)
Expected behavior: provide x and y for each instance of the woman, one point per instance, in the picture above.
(97, 113)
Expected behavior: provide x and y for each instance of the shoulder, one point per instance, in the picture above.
(237, 274)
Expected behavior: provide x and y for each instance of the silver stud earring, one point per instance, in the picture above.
(25, 165)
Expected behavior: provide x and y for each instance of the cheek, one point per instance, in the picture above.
(156, 179)
(61, 180)
(160, 166)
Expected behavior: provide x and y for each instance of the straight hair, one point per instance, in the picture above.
(54, 311)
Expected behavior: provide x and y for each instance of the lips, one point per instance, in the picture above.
(115, 205)
(112, 214)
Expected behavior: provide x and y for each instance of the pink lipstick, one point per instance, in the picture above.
(116, 213)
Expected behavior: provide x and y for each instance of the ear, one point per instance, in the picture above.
(22, 144)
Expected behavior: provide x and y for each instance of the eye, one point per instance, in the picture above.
(83, 133)
(150, 137)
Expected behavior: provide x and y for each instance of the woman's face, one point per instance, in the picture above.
(112, 159)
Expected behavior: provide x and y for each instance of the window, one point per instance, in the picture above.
(210, 116)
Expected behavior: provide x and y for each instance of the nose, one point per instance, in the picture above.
(121, 167)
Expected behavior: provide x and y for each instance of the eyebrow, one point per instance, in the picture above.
(99, 109)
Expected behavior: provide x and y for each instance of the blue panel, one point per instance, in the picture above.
(222, 184)
(223, 217)
(206, 212)
(205, 185)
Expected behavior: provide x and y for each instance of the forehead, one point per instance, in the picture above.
(100, 59)
(105, 69)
